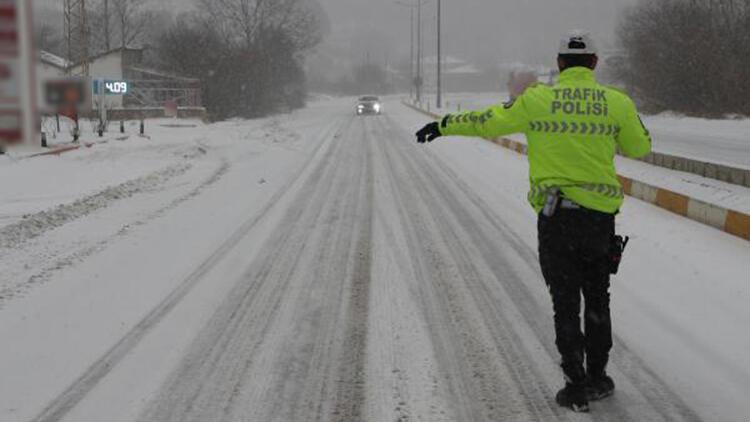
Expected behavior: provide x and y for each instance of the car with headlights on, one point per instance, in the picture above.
(369, 105)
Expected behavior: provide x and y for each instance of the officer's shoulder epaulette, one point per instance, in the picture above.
(617, 89)
(537, 85)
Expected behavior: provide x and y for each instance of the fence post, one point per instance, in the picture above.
(76, 131)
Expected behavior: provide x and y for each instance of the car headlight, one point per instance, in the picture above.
(377, 107)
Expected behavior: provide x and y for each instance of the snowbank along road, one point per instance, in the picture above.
(340, 274)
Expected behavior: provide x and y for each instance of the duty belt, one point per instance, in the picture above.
(567, 204)
(539, 193)
(555, 201)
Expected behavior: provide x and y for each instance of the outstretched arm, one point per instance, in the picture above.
(495, 121)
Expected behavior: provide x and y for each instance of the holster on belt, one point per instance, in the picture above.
(553, 201)
(616, 250)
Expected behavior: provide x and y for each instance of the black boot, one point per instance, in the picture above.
(599, 386)
(573, 396)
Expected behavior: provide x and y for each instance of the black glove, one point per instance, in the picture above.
(429, 133)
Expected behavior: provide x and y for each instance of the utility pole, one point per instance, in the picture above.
(439, 56)
(77, 39)
(411, 54)
(415, 79)
(106, 26)
(419, 80)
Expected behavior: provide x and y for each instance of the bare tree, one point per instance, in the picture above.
(248, 53)
(131, 20)
(49, 38)
(689, 55)
(242, 22)
(121, 23)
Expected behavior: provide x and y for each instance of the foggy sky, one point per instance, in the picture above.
(492, 30)
(475, 30)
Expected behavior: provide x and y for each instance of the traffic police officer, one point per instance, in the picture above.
(573, 130)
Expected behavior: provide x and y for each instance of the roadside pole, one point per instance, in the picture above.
(419, 79)
(414, 62)
(18, 114)
(102, 107)
(411, 53)
(439, 56)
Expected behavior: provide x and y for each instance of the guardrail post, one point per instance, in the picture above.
(143, 127)
(122, 126)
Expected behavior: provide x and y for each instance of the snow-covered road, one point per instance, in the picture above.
(319, 266)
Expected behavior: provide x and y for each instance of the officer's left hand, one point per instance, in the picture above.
(429, 133)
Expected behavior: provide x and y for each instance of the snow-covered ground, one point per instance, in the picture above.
(318, 266)
(43, 182)
(680, 301)
(717, 141)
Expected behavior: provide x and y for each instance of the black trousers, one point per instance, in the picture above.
(574, 254)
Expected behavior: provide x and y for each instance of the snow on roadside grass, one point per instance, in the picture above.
(31, 226)
(712, 191)
(30, 264)
(50, 202)
(32, 185)
(720, 141)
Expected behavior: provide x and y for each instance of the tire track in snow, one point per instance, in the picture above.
(350, 397)
(72, 395)
(289, 342)
(657, 401)
(486, 376)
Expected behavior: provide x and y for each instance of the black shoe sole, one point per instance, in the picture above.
(577, 409)
(601, 396)
(583, 408)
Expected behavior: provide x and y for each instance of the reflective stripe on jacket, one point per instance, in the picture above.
(573, 130)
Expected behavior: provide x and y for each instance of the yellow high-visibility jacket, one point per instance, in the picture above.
(573, 130)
